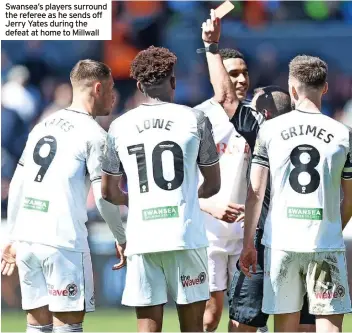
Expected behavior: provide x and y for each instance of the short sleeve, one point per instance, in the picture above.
(247, 123)
(347, 170)
(207, 153)
(95, 149)
(260, 155)
(25, 152)
(111, 162)
(22, 158)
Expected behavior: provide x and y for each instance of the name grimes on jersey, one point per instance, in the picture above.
(154, 123)
(61, 123)
(319, 133)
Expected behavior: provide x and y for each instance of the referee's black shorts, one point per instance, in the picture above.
(246, 295)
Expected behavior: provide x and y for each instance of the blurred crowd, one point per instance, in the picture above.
(35, 75)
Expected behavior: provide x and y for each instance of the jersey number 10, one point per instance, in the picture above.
(158, 176)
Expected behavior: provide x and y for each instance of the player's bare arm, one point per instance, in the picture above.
(228, 213)
(223, 88)
(109, 211)
(254, 202)
(111, 190)
(346, 203)
(212, 181)
(8, 260)
(346, 184)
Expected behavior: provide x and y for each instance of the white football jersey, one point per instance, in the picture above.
(307, 154)
(62, 157)
(159, 147)
(234, 155)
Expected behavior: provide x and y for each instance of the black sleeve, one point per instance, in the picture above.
(111, 164)
(260, 154)
(247, 122)
(347, 170)
(207, 153)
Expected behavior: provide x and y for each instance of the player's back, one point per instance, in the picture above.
(59, 154)
(307, 153)
(158, 146)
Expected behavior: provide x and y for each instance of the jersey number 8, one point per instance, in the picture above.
(309, 167)
(158, 176)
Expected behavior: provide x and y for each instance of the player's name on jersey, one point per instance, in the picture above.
(298, 130)
(60, 123)
(154, 123)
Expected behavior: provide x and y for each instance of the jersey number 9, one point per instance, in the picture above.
(44, 162)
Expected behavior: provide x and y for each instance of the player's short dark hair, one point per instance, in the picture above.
(89, 70)
(230, 54)
(153, 65)
(273, 99)
(310, 71)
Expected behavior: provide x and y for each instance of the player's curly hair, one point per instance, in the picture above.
(153, 65)
(308, 70)
(230, 54)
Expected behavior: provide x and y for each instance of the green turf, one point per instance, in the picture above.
(111, 320)
(117, 320)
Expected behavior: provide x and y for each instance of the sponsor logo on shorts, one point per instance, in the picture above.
(187, 281)
(92, 299)
(70, 290)
(156, 213)
(330, 293)
(302, 213)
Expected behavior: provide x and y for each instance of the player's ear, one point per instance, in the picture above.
(139, 87)
(326, 88)
(98, 88)
(173, 82)
(266, 113)
(294, 93)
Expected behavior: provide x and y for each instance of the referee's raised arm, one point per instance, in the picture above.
(224, 91)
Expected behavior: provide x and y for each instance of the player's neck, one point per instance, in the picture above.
(309, 105)
(152, 101)
(83, 106)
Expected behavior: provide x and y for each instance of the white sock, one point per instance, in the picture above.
(68, 328)
(37, 329)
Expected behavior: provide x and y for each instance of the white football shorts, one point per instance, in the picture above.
(59, 278)
(223, 255)
(151, 276)
(288, 276)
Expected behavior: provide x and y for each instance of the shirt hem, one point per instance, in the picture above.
(281, 248)
(79, 250)
(131, 253)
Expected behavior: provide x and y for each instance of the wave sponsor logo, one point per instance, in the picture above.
(187, 281)
(330, 291)
(70, 290)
